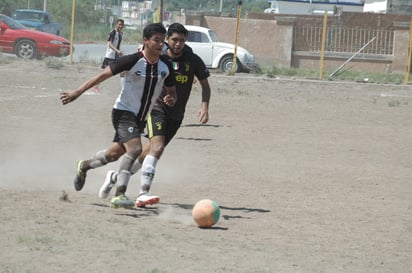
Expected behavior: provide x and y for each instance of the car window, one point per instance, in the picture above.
(27, 16)
(213, 36)
(197, 37)
(11, 23)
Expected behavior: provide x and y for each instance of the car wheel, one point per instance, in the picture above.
(226, 64)
(26, 49)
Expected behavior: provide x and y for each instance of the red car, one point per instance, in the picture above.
(28, 44)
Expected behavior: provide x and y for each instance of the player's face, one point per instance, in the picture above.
(155, 43)
(176, 42)
(119, 26)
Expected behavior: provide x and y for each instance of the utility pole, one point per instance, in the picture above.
(160, 11)
(45, 5)
(221, 7)
(234, 64)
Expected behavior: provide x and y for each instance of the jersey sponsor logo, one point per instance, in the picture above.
(130, 129)
(187, 67)
(182, 79)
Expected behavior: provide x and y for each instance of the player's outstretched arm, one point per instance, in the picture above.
(67, 97)
(203, 113)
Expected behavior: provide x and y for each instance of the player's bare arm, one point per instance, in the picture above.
(67, 97)
(203, 113)
(171, 97)
(118, 51)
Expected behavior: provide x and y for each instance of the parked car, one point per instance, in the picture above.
(38, 20)
(215, 54)
(271, 10)
(28, 44)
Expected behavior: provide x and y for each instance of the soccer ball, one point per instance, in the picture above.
(206, 213)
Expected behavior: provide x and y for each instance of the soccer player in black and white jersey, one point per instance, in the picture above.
(113, 51)
(114, 40)
(164, 120)
(146, 74)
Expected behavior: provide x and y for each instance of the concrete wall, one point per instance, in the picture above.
(270, 39)
(400, 48)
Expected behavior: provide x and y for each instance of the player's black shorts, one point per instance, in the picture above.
(126, 125)
(106, 62)
(159, 125)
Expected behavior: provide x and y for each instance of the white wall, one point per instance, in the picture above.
(376, 6)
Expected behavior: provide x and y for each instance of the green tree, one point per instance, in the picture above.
(8, 6)
(92, 25)
(228, 6)
(60, 10)
(85, 15)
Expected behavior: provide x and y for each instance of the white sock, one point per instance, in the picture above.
(123, 177)
(148, 172)
(136, 166)
(98, 160)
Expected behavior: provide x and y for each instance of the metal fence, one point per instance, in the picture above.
(344, 40)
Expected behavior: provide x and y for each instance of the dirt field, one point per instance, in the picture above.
(310, 176)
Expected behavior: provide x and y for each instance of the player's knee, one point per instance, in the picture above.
(113, 155)
(135, 152)
(157, 150)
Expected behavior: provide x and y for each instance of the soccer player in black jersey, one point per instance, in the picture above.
(146, 74)
(164, 120)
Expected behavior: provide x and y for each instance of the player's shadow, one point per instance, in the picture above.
(182, 206)
(223, 208)
(153, 211)
(243, 209)
(133, 212)
(194, 138)
(215, 228)
(246, 209)
(198, 125)
(201, 125)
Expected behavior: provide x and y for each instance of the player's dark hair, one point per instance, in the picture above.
(120, 20)
(153, 29)
(177, 28)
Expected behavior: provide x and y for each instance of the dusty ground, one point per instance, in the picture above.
(310, 176)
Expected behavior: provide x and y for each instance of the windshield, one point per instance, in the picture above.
(29, 16)
(11, 23)
(213, 36)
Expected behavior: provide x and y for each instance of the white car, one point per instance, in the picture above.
(205, 43)
(271, 10)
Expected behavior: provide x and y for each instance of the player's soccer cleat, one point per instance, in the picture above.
(108, 184)
(144, 199)
(80, 178)
(121, 201)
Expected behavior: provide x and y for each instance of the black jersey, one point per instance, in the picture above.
(143, 82)
(185, 68)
